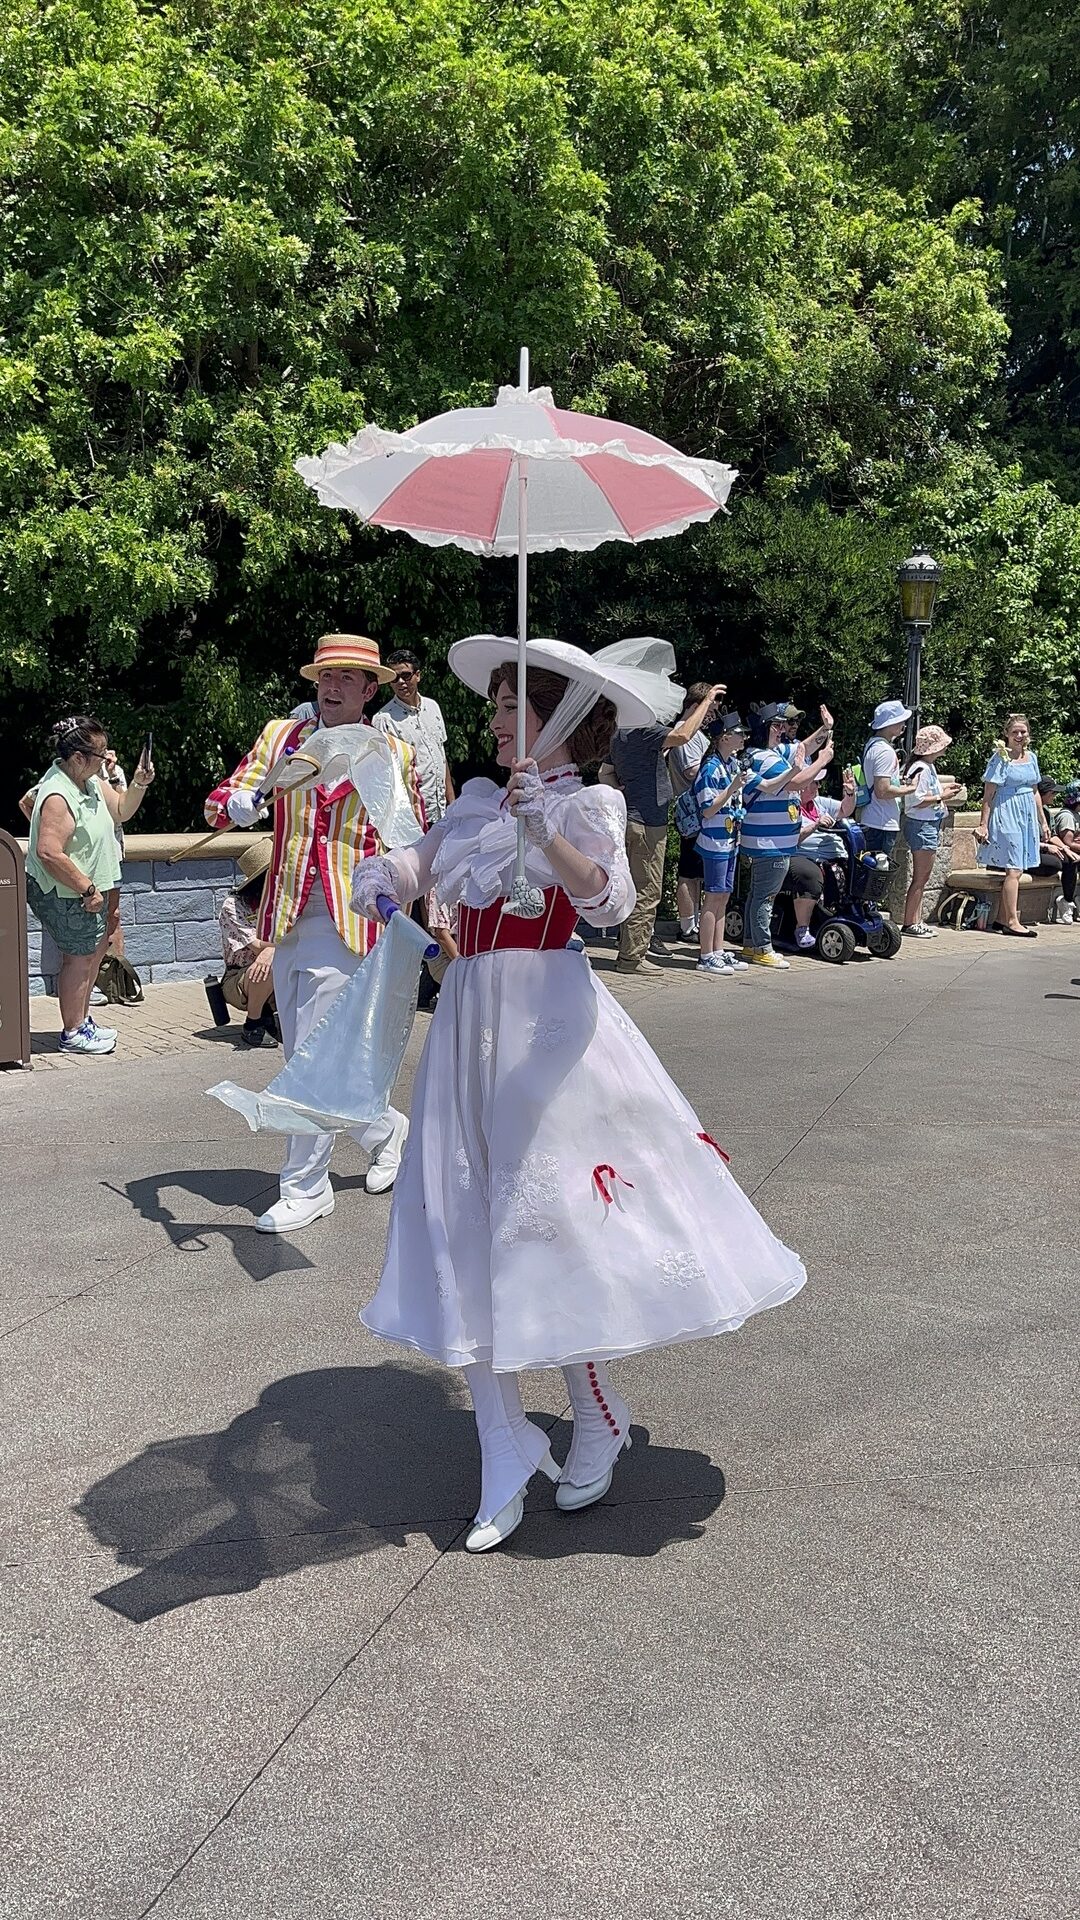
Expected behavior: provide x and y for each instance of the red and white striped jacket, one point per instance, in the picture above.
(319, 835)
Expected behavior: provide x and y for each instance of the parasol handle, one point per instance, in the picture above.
(208, 839)
(197, 846)
(525, 902)
(388, 908)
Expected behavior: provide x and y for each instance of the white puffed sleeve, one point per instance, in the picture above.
(594, 821)
(404, 873)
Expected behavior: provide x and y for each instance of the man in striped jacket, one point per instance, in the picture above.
(319, 836)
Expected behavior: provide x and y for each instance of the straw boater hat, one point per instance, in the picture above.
(640, 697)
(348, 650)
(255, 858)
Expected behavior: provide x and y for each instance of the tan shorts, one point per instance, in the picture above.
(234, 987)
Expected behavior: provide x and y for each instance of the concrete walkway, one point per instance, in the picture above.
(815, 1655)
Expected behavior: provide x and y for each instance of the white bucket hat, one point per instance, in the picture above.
(641, 697)
(889, 713)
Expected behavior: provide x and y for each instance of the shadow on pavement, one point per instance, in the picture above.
(259, 1254)
(329, 1465)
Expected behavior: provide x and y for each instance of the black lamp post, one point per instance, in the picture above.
(918, 578)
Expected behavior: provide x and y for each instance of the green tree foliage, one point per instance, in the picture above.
(1012, 111)
(230, 234)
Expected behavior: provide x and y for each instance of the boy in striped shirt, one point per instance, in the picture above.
(717, 790)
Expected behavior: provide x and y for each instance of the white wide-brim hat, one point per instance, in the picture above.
(641, 698)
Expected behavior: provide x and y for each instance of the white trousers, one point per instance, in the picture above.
(311, 965)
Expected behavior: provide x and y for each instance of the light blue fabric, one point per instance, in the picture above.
(1014, 819)
(767, 875)
(344, 1072)
(921, 836)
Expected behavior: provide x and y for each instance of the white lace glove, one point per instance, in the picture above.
(372, 877)
(244, 809)
(526, 796)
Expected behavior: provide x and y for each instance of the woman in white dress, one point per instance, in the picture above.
(559, 1202)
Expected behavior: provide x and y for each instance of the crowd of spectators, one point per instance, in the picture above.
(755, 828)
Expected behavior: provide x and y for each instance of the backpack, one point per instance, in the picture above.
(688, 815)
(119, 982)
(863, 793)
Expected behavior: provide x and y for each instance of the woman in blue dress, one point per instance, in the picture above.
(1012, 823)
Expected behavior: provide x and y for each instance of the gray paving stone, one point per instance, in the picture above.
(814, 1654)
(781, 1705)
(130, 1741)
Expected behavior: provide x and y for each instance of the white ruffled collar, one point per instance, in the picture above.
(474, 862)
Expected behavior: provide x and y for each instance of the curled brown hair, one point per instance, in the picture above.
(590, 741)
(76, 734)
(1001, 747)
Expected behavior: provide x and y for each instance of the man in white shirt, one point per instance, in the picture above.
(880, 819)
(418, 721)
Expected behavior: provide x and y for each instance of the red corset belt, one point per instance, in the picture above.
(490, 930)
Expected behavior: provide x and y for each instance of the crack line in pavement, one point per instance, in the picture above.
(115, 1276)
(316, 1701)
(856, 1077)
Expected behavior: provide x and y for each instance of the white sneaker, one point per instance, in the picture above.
(90, 1025)
(383, 1170)
(288, 1216)
(87, 1039)
(97, 998)
(732, 962)
(804, 940)
(712, 964)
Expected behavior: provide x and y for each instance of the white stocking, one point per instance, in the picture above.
(511, 1447)
(601, 1422)
(531, 1439)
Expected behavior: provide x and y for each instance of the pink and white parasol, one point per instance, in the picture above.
(453, 480)
(521, 477)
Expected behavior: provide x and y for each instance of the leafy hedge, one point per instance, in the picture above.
(229, 234)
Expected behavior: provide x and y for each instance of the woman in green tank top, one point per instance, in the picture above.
(72, 866)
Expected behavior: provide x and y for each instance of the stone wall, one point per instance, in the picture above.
(168, 913)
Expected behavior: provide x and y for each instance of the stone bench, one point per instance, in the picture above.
(1037, 891)
(169, 914)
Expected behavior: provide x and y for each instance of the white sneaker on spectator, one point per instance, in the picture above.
(87, 1039)
(920, 932)
(90, 1025)
(712, 964)
(97, 998)
(804, 939)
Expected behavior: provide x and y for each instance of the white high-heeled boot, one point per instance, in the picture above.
(601, 1431)
(511, 1451)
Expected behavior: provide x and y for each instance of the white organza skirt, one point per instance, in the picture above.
(557, 1200)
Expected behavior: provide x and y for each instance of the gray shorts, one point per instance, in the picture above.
(73, 929)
